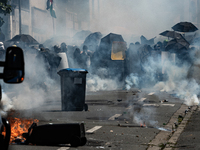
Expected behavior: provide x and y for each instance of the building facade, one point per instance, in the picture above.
(71, 16)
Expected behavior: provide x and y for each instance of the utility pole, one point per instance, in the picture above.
(92, 9)
(98, 8)
(20, 19)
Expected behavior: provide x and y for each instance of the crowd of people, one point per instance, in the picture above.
(82, 57)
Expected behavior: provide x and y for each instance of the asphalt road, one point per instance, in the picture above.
(108, 110)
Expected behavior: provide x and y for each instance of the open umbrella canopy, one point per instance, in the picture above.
(185, 27)
(25, 38)
(171, 34)
(177, 44)
(93, 36)
(92, 40)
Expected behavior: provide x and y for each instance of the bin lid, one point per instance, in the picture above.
(74, 70)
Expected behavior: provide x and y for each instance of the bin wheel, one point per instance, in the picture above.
(85, 107)
(83, 141)
(75, 141)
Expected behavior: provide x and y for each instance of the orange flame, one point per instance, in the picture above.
(19, 126)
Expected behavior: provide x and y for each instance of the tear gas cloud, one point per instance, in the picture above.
(37, 88)
(134, 17)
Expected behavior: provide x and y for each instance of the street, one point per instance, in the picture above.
(132, 67)
(110, 123)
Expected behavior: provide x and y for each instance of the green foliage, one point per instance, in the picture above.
(4, 9)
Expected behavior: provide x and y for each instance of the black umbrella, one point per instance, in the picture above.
(177, 44)
(185, 27)
(93, 39)
(171, 34)
(25, 38)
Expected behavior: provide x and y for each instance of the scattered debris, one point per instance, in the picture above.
(164, 101)
(100, 147)
(142, 99)
(119, 100)
(186, 111)
(176, 125)
(180, 119)
(124, 112)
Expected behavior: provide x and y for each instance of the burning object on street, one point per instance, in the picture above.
(18, 127)
(55, 134)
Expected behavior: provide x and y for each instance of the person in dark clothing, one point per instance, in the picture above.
(57, 49)
(159, 46)
(165, 44)
(77, 58)
(63, 47)
(41, 46)
(137, 43)
(84, 57)
(42, 57)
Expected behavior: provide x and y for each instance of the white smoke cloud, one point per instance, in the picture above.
(131, 81)
(96, 83)
(34, 91)
(6, 105)
(178, 82)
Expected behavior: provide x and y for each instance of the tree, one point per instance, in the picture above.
(5, 8)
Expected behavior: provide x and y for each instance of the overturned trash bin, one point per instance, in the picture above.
(73, 86)
(55, 134)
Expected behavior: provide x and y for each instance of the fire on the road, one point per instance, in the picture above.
(19, 126)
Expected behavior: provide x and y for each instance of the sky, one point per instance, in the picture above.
(140, 17)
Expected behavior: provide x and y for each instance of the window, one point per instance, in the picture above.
(24, 4)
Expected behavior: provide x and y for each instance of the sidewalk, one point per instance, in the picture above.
(190, 137)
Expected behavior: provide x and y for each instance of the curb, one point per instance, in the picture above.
(173, 140)
(166, 140)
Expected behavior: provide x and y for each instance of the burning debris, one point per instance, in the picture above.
(26, 131)
(18, 127)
